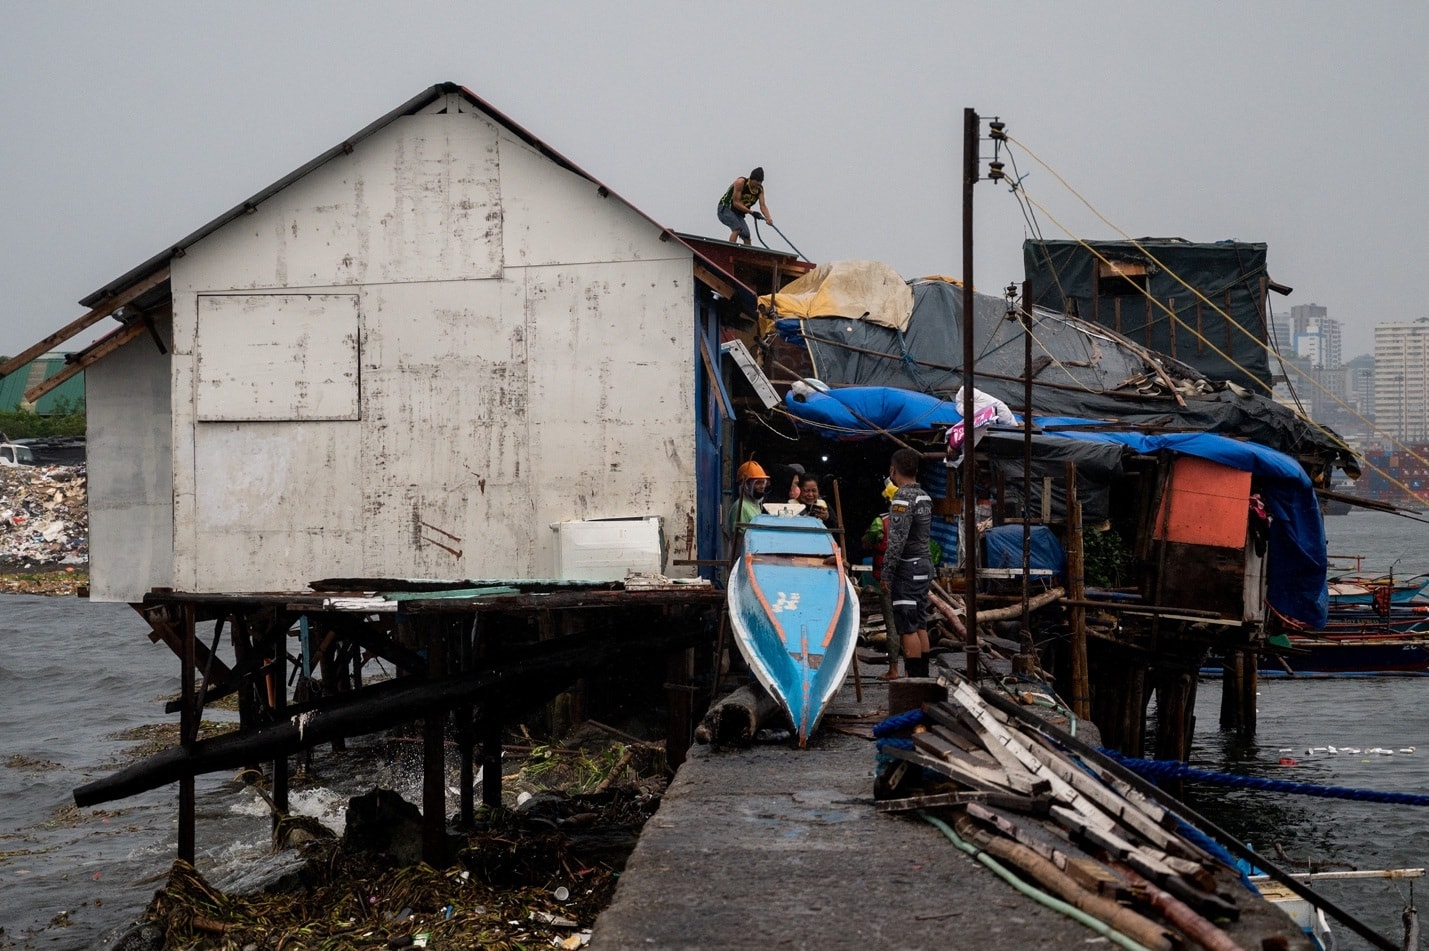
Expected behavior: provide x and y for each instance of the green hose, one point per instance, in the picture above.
(1036, 894)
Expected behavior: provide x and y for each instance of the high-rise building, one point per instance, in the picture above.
(1401, 379)
(1316, 335)
(1361, 385)
(1282, 335)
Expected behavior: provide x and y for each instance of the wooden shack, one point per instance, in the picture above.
(411, 357)
(439, 352)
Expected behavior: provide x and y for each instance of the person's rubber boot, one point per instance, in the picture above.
(916, 666)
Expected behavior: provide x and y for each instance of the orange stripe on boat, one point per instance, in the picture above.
(843, 594)
(759, 593)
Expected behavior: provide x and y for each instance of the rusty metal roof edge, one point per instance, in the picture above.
(428, 95)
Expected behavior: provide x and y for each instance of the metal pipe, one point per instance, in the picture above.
(1026, 314)
(970, 177)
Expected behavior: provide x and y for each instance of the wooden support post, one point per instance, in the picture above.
(250, 706)
(1076, 590)
(1250, 683)
(1175, 712)
(1231, 690)
(278, 683)
(466, 729)
(491, 754)
(434, 780)
(1120, 707)
(1188, 722)
(679, 727)
(1136, 709)
(331, 670)
(188, 733)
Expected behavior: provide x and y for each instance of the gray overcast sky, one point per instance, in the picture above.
(126, 125)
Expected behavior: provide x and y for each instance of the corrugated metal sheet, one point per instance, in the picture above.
(68, 394)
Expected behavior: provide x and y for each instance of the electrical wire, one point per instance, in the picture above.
(1230, 321)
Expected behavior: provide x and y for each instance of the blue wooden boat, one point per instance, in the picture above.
(794, 613)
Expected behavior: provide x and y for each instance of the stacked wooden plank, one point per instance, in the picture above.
(1067, 827)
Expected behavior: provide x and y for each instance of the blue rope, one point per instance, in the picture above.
(899, 723)
(1174, 769)
(1208, 844)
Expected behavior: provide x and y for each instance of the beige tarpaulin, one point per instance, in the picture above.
(857, 290)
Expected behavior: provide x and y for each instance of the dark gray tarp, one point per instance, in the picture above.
(1098, 465)
(1079, 369)
(1229, 275)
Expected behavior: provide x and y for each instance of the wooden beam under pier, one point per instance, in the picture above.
(379, 707)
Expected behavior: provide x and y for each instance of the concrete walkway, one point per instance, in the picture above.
(776, 847)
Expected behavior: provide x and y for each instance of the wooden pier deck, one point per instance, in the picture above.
(776, 847)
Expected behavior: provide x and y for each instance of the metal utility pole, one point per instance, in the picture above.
(1029, 649)
(971, 126)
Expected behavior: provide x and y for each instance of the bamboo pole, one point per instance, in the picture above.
(1140, 929)
(1015, 610)
(1181, 915)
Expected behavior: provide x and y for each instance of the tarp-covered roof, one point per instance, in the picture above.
(1079, 369)
(1297, 562)
(1219, 327)
(857, 290)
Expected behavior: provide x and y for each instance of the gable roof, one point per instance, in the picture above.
(145, 288)
(412, 106)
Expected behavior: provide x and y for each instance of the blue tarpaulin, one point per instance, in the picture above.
(1296, 565)
(1002, 548)
(848, 412)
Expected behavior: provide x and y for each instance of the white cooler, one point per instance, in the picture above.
(606, 549)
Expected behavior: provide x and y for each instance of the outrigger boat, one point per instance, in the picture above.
(1388, 638)
(1380, 592)
(794, 613)
(1316, 652)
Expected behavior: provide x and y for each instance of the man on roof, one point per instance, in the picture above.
(739, 200)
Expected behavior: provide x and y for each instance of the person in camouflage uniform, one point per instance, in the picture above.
(908, 560)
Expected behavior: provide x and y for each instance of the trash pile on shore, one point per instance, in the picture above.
(534, 875)
(44, 517)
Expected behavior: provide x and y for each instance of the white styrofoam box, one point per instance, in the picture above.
(605, 549)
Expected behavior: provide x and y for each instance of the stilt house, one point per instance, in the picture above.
(409, 358)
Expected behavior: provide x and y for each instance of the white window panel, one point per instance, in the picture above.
(276, 357)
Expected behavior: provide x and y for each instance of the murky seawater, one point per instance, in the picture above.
(73, 675)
